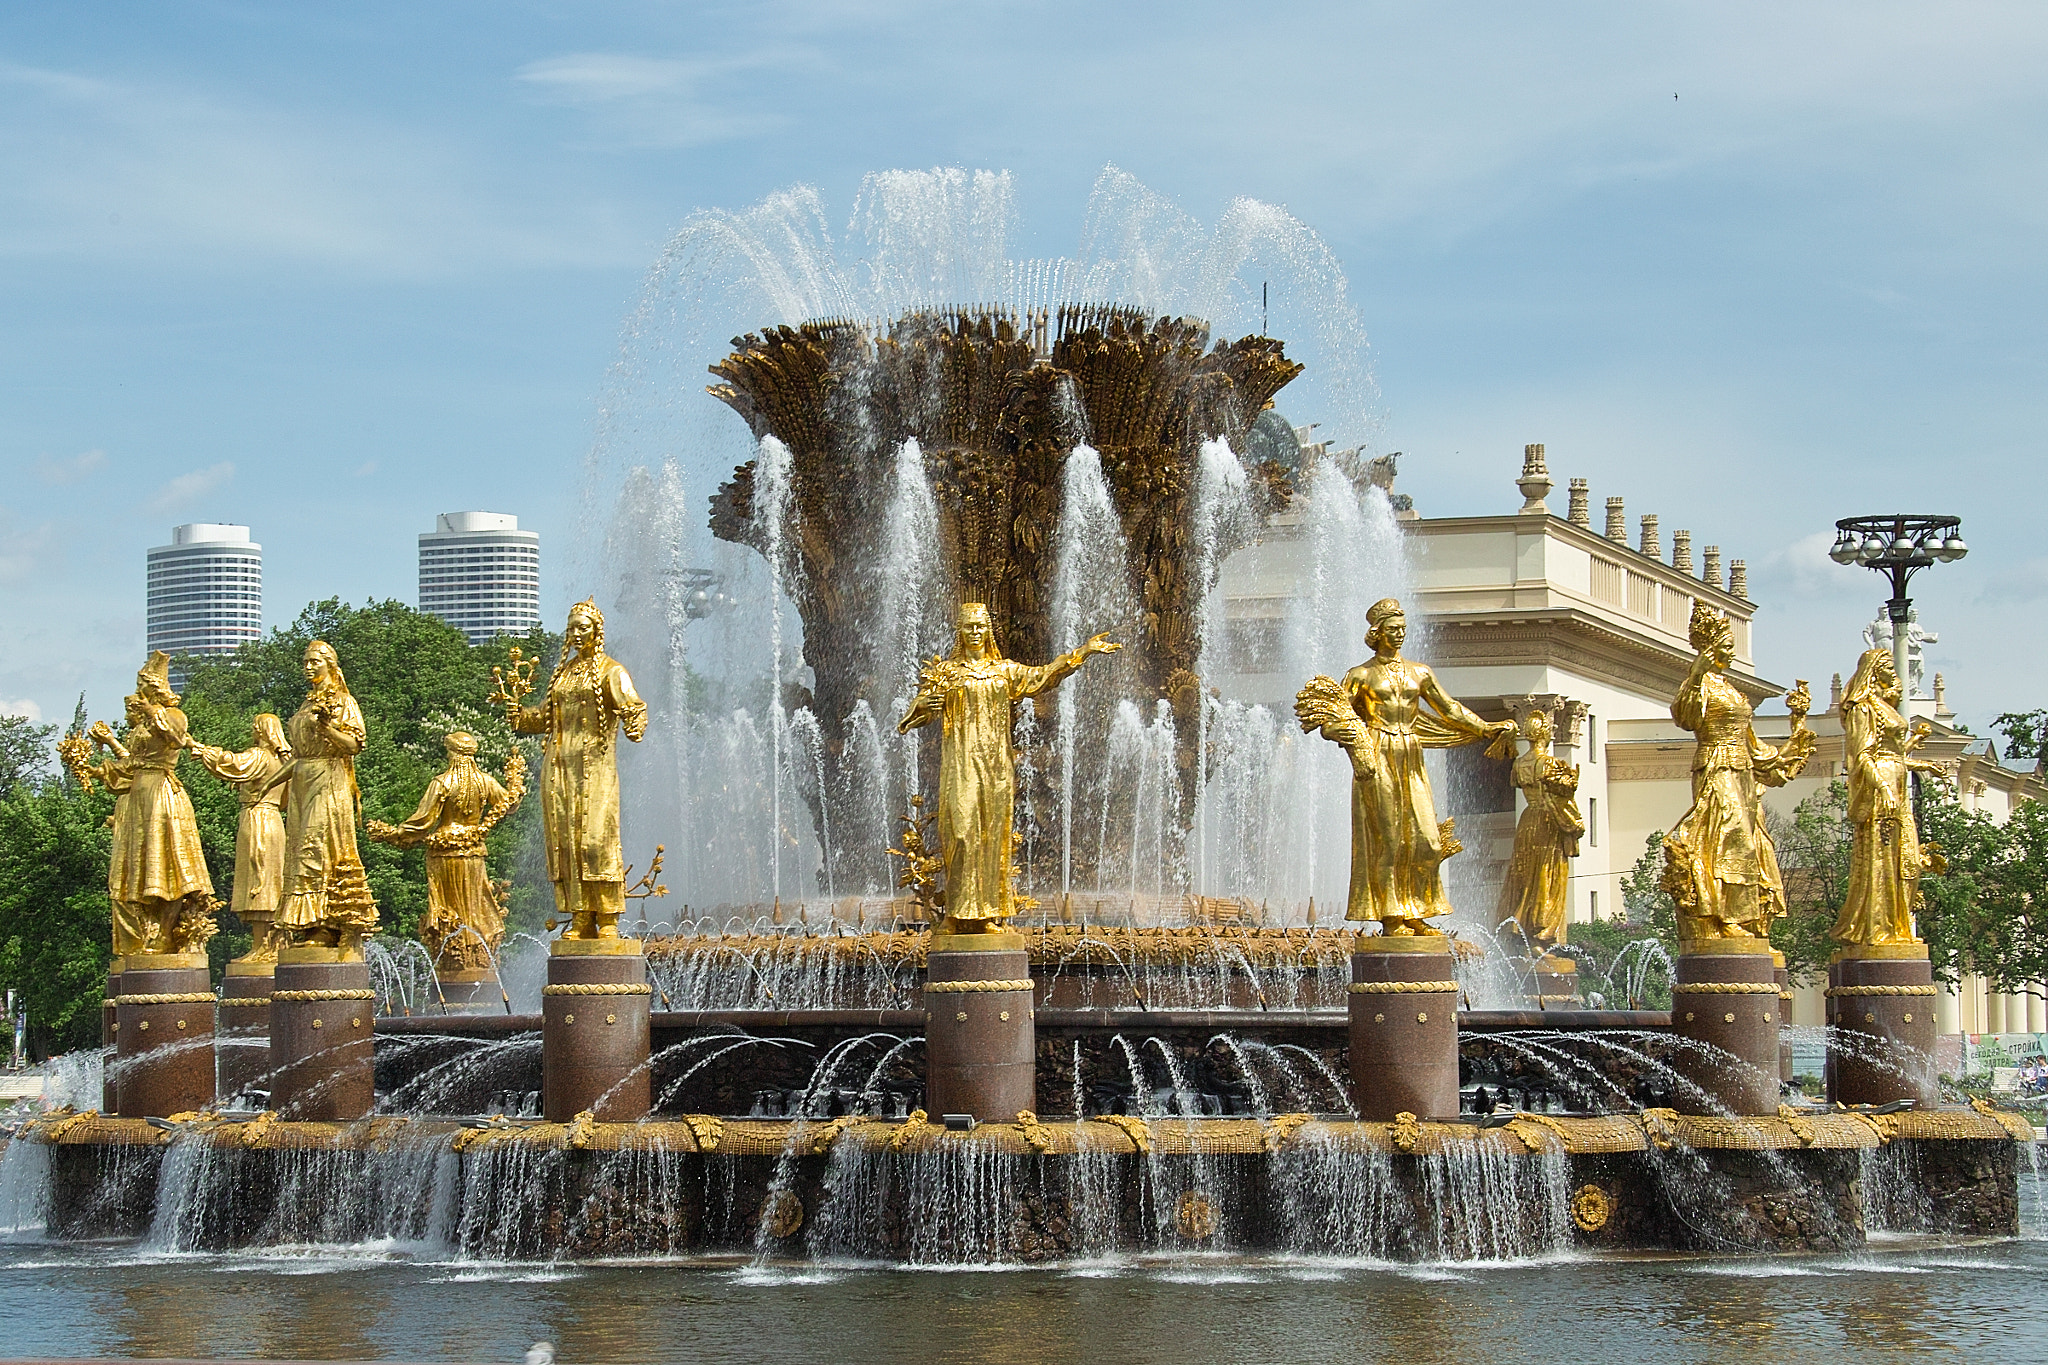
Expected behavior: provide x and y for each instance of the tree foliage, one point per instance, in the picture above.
(2023, 732)
(24, 752)
(1815, 851)
(1987, 913)
(415, 678)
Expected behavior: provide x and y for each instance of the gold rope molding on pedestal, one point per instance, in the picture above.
(323, 995)
(1880, 990)
(248, 1002)
(1401, 987)
(180, 998)
(953, 987)
(598, 988)
(1725, 988)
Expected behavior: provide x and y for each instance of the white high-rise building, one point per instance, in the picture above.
(481, 574)
(205, 590)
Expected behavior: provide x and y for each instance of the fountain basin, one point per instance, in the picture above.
(1033, 1190)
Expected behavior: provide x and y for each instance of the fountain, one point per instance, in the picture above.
(1097, 1008)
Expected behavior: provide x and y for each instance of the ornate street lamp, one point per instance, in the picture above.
(1898, 546)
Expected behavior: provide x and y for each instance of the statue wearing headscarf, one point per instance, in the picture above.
(1537, 891)
(1376, 713)
(1887, 858)
(259, 831)
(327, 900)
(589, 700)
(971, 694)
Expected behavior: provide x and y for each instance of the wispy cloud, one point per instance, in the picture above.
(24, 708)
(27, 549)
(1803, 569)
(186, 489)
(366, 469)
(70, 468)
(662, 102)
(2023, 582)
(115, 169)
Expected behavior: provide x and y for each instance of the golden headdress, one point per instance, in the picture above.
(1708, 627)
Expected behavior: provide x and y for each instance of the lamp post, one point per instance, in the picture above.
(1898, 546)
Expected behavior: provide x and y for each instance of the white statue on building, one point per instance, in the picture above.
(1878, 635)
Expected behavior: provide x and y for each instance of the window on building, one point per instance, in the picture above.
(1593, 821)
(1593, 902)
(1592, 739)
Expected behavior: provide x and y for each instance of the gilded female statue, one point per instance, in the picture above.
(1537, 892)
(259, 831)
(1377, 715)
(1888, 858)
(465, 920)
(589, 699)
(156, 875)
(971, 694)
(1719, 863)
(327, 898)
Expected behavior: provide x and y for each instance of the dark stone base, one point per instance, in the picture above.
(110, 1089)
(595, 1045)
(978, 1043)
(1404, 1044)
(320, 1049)
(1888, 1040)
(164, 1060)
(244, 1032)
(471, 993)
(1735, 1068)
(965, 1199)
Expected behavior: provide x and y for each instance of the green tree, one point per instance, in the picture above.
(1815, 850)
(2023, 732)
(55, 921)
(24, 752)
(1987, 912)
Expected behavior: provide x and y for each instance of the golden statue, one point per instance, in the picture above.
(259, 832)
(1376, 714)
(465, 920)
(327, 898)
(1888, 858)
(1719, 863)
(971, 694)
(156, 873)
(1537, 892)
(589, 698)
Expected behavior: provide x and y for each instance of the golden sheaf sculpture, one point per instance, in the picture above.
(589, 700)
(1376, 714)
(1887, 858)
(971, 694)
(1719, 863)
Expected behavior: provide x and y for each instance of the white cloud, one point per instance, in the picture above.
(26, 549)
(21, 708)
(115, 170)
(1803, 569)
(72, 468)
(188, 488)
(664, 102)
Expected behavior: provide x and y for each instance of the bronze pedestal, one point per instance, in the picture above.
(322, 1019)
(1725, 1002)
(595, 1031)
(244, 1041)
(110, 1035)
(164, 1020)
(1881, 1000)
(473, 991)
(1784, 980)
(1404, 1028)
(980, 1038)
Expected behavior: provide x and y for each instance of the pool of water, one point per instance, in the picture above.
(1903, 1297)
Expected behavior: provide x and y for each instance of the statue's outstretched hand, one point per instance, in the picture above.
(1100, 644)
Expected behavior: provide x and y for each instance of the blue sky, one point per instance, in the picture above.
(331, 270)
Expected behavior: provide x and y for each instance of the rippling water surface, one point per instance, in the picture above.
(1902, 1298)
